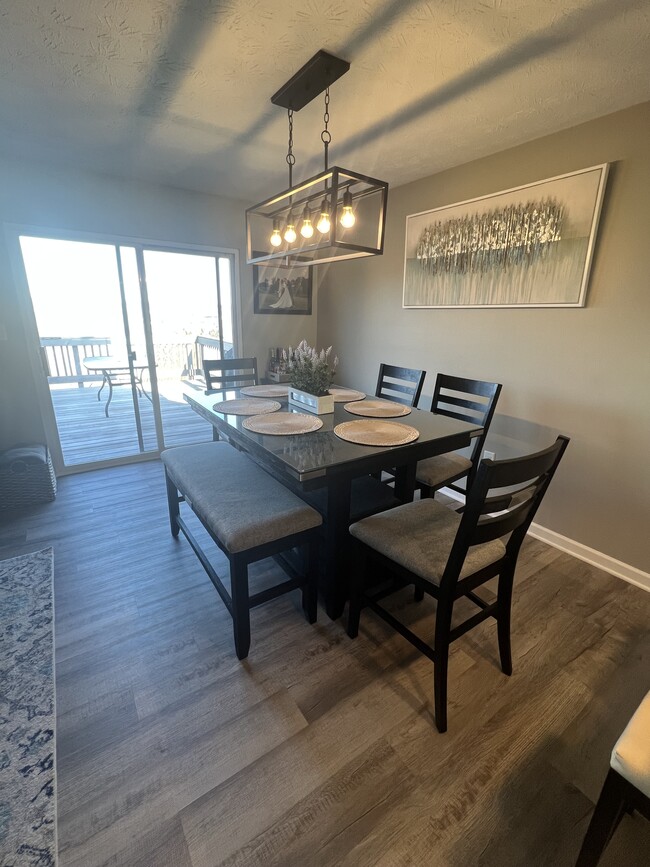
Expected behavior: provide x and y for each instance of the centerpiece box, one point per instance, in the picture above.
(311, 402)
(311, 374)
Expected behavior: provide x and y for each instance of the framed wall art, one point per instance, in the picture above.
(530, 246)
(281, 289)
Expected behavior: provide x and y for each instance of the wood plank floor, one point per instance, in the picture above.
(87, 435)
(318, 750)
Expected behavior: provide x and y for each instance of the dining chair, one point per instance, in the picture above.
(448, 555)
(469, 400)
(224, 373)
(626, 787)
(400, 384)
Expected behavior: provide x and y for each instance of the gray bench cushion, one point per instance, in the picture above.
(241, 504)
(419, 537)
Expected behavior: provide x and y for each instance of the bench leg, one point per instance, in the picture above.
(310, 587)
(240, 607)
(172, 503)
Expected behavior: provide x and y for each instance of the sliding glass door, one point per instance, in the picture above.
(123, 329)
(191, 315)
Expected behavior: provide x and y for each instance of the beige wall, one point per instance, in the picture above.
(583, 372)
(33, 195)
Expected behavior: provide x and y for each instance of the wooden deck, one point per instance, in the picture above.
(88, 436)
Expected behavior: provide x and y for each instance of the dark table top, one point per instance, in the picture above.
(313, 457)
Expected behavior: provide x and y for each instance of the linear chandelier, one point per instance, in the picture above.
(337, 214)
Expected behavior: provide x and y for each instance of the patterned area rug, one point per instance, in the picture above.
(27, 712)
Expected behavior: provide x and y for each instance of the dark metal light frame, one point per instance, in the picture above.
(369, 195)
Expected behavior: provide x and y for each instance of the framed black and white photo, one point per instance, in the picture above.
(530, 246)
(278, 289)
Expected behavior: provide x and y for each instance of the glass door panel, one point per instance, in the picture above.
(189, 298)
(77, 294)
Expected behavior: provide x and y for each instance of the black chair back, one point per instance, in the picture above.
(488, 516)
(224, 373)
(468, 400)
(400, 384)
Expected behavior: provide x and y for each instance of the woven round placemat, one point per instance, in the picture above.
(377, 408)
(371, 432)
(341, 395)
(246, 406)
(266, 390)
(284, 423)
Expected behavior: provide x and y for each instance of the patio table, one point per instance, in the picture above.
(307, 462)
(116, 371)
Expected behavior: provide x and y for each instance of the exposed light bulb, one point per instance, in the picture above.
(323, 224)
(306, 230)
(347, 217)
(276, 237)
(290, 230)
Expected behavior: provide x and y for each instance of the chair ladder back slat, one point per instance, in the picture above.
(453, 400)
(224, 373)
(477, 412)
(393, 382)
(475, 529)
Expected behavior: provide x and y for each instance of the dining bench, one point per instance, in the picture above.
(250, 516)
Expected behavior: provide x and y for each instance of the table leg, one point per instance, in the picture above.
(101, 387)
(405, 482)
(142, 388)
(110, 394)
(336, 546)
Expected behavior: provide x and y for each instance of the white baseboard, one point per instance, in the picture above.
(582, 552)
(596, 558)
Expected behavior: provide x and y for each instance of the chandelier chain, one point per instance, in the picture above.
(291, 160)
(326, 135)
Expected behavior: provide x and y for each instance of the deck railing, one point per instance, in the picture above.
(63, 357)
(200, 345)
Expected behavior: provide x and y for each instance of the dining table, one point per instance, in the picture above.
(320, 461)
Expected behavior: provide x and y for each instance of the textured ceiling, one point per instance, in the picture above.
(178, 91)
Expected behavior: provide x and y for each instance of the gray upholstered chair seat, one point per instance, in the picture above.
(419, 536)
(239, 521)
(442, 468)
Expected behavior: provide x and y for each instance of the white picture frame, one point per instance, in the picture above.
(529, 246)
